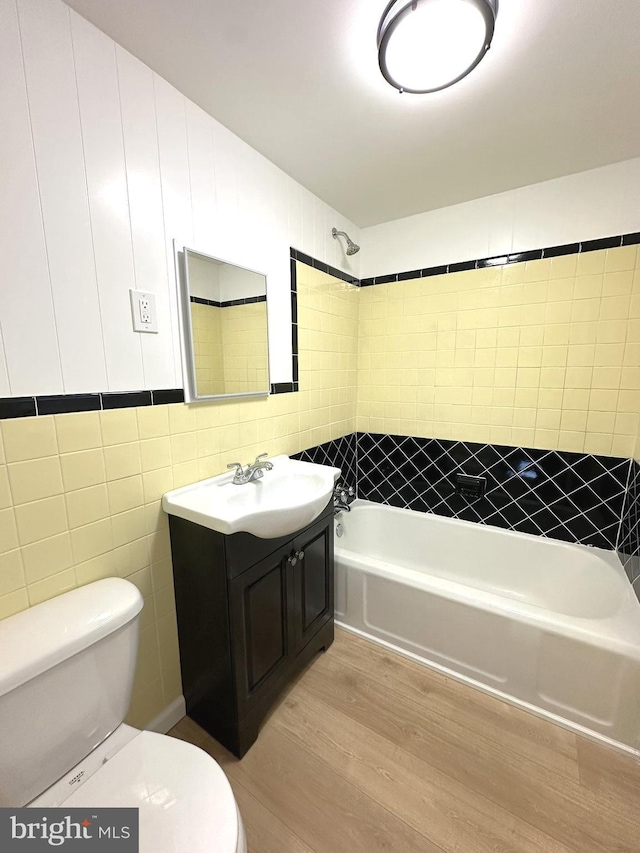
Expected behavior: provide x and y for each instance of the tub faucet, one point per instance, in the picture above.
(341, 495)
(254, 470)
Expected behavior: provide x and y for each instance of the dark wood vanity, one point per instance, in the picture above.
(251, 613)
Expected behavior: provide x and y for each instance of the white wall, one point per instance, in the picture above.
(104, 163)
(598, 203)
(238, 283)
(222, 282)
(204, 278)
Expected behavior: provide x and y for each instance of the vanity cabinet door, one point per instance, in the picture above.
(312, 580)
(260, 628)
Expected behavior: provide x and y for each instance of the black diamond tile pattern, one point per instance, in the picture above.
(340, 453)
(629, 543)
(575, 497)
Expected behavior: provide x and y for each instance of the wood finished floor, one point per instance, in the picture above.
(369, 751)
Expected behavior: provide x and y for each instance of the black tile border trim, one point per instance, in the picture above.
(291, 387)
(167, 395)
(17, 407)
(126, 401)
(60, 404)
(320, 265)
(284, 387)
(603, 243)
(248, 300)
(630, 239)
(557, 251)
(57, 404)
(429, 271)
(462, 266)
(199, 300)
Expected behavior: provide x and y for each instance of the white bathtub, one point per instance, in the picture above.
(546, 625)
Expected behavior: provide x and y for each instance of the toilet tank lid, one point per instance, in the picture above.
(37, 639)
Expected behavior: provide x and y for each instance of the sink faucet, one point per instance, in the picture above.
(254, 470)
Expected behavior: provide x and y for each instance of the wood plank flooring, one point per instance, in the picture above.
(369, 751)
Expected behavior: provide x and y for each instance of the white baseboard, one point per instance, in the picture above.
(167, 719)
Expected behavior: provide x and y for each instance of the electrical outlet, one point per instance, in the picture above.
(143, 311)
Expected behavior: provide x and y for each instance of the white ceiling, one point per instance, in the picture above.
(298, 80)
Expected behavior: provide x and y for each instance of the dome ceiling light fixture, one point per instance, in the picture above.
(428, 45)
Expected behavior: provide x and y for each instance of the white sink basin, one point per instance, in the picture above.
(283, 501)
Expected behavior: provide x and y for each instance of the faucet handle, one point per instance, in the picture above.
(267, 465)
(237, 466)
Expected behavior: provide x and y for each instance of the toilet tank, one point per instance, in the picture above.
(66, 674)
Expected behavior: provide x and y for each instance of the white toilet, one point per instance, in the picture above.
(66, 673)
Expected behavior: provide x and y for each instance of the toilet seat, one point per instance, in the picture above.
(184, 798)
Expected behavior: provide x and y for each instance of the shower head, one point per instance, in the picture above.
(352, 248)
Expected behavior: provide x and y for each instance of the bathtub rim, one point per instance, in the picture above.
(533, 613)
(362, 503)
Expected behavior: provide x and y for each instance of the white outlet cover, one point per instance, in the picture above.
(143, 311)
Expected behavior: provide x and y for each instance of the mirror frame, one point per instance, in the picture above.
(186, 330)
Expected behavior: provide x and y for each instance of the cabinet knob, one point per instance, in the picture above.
(292, 560)
(300, 555)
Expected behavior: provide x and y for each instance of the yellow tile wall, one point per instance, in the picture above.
(243, 330)
(230, 348)
(207, 348)
(542, 354)
(328, 352)
(80, 493)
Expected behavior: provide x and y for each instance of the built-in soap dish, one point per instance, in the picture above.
(469, 487)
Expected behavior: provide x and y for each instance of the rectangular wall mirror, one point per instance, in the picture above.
(224, 327)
